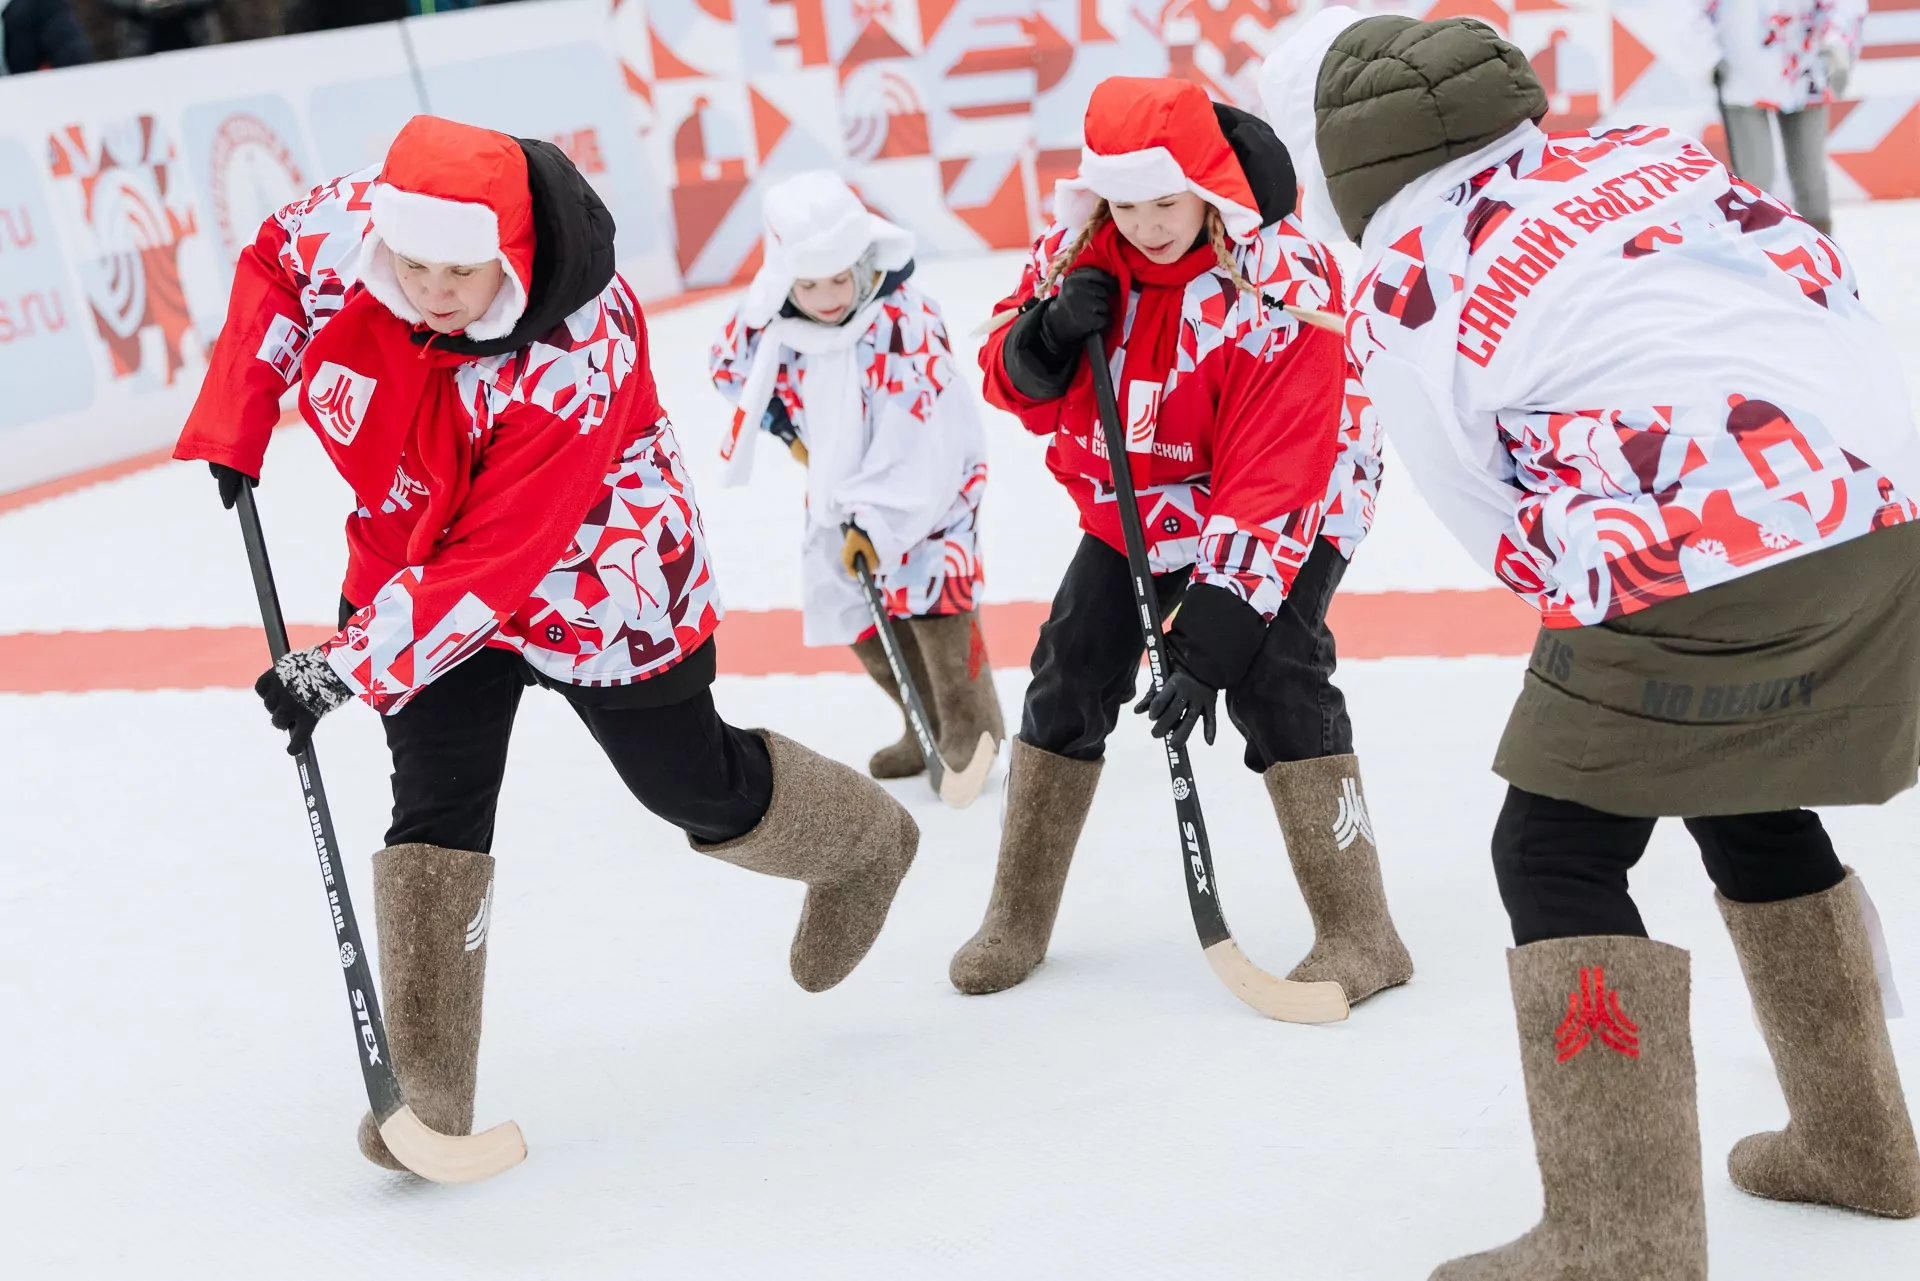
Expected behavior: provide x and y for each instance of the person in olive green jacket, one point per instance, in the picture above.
(1560, 334)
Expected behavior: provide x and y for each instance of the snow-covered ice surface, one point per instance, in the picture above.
(178, 1067)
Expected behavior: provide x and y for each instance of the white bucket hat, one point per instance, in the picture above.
(816, 227)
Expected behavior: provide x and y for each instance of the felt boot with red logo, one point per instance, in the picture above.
(1850, 1143)
(1607, 1054)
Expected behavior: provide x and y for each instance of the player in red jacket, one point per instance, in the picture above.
(477, 372)
(1177, 242)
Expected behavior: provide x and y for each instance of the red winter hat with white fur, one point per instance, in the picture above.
(1147, 138)
(452, 193)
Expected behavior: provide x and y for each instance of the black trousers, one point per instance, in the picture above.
(680, 760)
(1085, 665)
(1562, 866)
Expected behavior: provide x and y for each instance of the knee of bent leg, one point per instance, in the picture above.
(1766, 858)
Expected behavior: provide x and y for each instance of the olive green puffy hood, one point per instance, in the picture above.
(1398, 98)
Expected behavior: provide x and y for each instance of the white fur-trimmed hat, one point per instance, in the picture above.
(814, 226)
(452, 193)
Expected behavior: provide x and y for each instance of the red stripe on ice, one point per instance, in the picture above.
(1446, 624)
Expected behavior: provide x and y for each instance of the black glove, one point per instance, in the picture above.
(1082, 308)
(1213, 641)
(229, 480)
(777, 422)
(298, 690)
(1181, 701)
(1043, 346)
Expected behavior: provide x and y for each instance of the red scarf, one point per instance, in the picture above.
(416, 417)
(1152, 345)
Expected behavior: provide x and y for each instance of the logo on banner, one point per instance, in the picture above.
(252, 173)
(339, 398)
(1143, 415)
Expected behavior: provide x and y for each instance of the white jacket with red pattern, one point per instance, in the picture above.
(1250, 423)
(1775, 50)
(1620, 374)
(539, 502)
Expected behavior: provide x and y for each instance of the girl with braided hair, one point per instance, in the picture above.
(1177, 243)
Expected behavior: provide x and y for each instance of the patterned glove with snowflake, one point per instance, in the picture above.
(298, 690)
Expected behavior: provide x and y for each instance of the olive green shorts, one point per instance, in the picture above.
(1797, 685)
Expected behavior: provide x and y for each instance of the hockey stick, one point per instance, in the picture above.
(1318, 319)
(1276, 998)
(957, 788)
(443, 1158)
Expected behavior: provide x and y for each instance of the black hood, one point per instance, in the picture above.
(1264, 159)
(572, 253)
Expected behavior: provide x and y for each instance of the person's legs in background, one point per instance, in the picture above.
(1803, 136)
(1750, 144)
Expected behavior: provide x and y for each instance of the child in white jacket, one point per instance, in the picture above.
(837, 354)
(1784, 59)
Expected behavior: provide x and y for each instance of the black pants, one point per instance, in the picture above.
(1088, 657)
(680, 760)
(1562, 866)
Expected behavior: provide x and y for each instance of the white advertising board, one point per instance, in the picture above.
(128, 189)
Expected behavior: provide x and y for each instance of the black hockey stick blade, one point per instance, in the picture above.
(1277, 998)
(957, 787)
(442, 1158)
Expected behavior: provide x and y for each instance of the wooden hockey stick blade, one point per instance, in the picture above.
(959, 788)
(449, 1158)
(1282, 999)
(1318, 319)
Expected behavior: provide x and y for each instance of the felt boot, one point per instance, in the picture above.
(902, 759)
(432, 908)
(1849, 1140)
(1047, 801)
(961, 686)
(1323, 818)
(841, 834)
(1607, 1053)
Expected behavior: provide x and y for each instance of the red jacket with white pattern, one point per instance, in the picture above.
(539, 503)
(1249, 421)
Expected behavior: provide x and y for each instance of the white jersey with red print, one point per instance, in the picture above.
(1774, 50)
(1619, 374)
(915, 484)
(631, 593)
(1247, 544)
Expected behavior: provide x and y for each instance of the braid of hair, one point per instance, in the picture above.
(1064, 259)
(1057, 268)
(1223, 252)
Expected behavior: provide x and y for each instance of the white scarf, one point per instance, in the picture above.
(836, 415)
